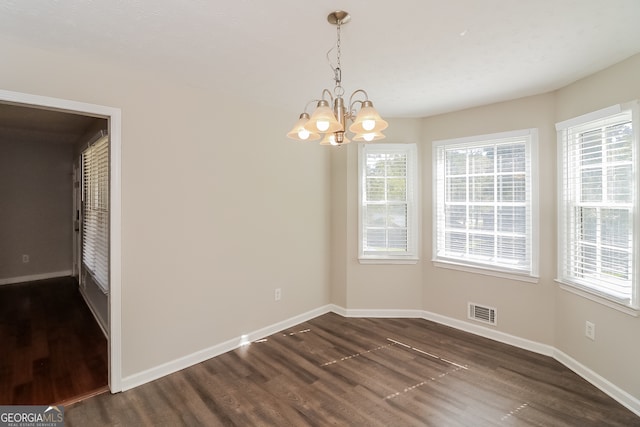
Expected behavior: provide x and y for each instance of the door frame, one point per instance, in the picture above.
(76, 221)
(114, 117)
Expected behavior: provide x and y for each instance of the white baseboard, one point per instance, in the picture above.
(490, 333)
(448, 321)
(615, 392)
(34, 277)
(338, 310)
(381, 313)
(216, 350)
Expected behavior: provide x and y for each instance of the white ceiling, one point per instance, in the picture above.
(414, 57)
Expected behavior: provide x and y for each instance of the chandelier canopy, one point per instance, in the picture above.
(330, 124)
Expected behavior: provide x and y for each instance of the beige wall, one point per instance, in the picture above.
(216, 212)
(36, 208)
(524, 309)
(366, 286)
(616, 351)
(540, 312)
(339, 256)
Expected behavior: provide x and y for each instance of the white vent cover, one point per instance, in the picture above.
(483, 314)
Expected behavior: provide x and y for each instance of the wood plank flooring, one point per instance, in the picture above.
(355, 372)
(52, 350)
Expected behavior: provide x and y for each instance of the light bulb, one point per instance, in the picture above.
(369, 136)
(368, 124)
(303, 133)
(322, 125)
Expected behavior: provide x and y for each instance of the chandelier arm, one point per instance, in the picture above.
(313, 101)
(327, 91)
(352, 102)
(351, 112)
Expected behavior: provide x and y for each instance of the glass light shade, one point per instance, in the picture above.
(323, 120)
(299, 133)
(368, 120)
(369, 136)
(330, 139)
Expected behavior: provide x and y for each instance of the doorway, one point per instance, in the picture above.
(113, 117)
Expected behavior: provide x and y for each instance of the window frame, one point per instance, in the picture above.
(586, 288)
(95, 173)
(411, 255)
(443, 260)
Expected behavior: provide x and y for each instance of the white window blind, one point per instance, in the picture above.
(598, 196)
(95, 211)
(484, 199)
(388, 207)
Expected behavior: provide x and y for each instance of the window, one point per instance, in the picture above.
(388, 204)
(95, 211)
(598, 199)
(485, 204)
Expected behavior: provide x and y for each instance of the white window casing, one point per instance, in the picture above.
(598, 224)
(95, 211)
(388, 203)
(485, 204)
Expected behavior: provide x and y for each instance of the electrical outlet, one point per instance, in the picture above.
(590, 330)
(278, 294)
(25, 259)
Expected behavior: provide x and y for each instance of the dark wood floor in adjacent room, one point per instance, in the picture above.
(51, 348)
(363, 372)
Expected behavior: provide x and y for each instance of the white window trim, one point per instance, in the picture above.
(485, 269)
(588, 292)
(412, 255)
(505, 274)
(593, 295)
(95, 245)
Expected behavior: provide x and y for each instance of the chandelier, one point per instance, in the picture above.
(330, 124)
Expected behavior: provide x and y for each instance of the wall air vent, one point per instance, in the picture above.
(483, 314)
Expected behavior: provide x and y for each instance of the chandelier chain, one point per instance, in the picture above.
(338, 90)
(338, 43)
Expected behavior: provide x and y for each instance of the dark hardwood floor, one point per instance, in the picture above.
(52, 350)
(356, 372)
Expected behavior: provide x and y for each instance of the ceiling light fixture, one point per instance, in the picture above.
(367, 123)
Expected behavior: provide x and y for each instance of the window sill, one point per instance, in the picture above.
(372, 260)
(596, 297)
(522, 277)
